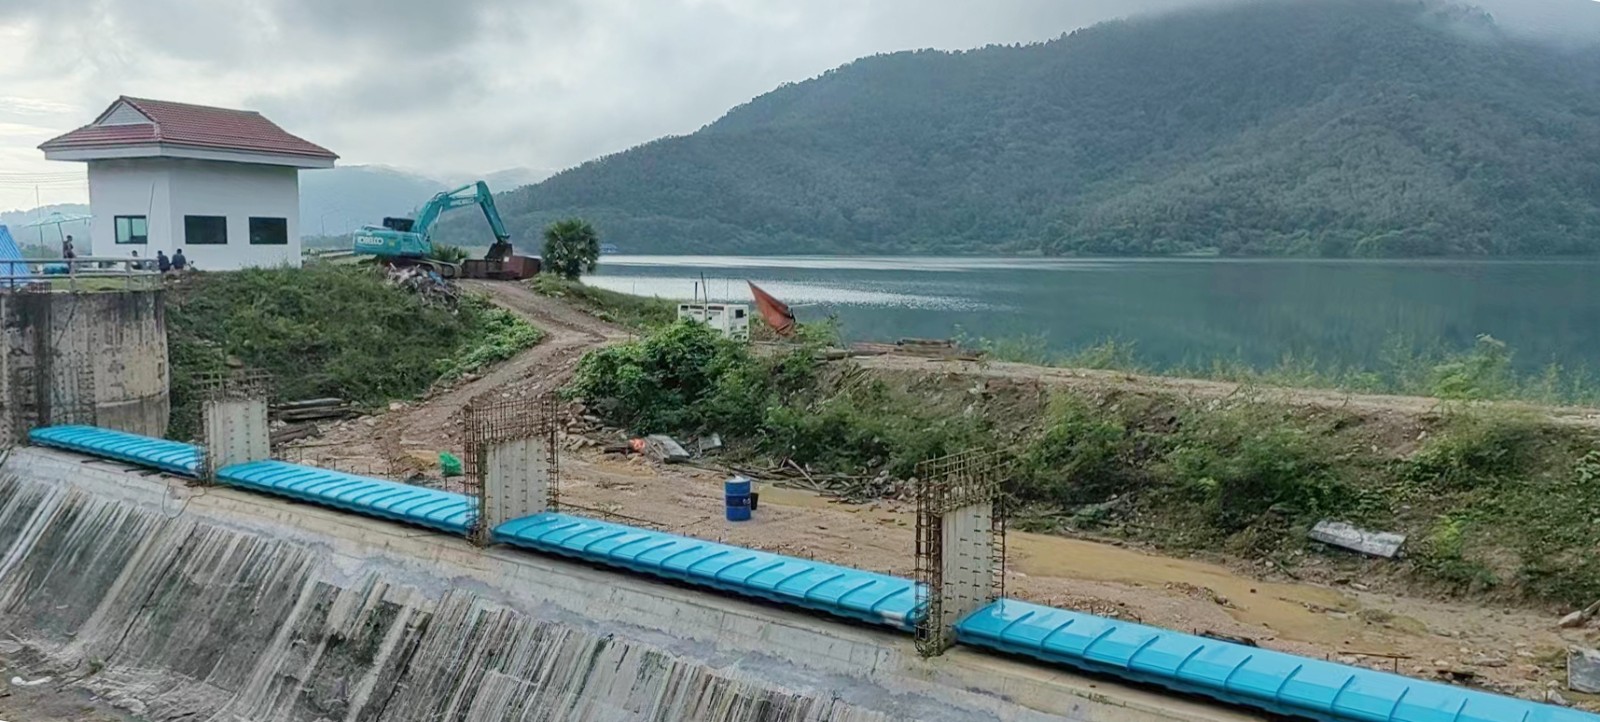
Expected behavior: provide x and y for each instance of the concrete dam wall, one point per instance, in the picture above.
(204, 603)
(96, 358)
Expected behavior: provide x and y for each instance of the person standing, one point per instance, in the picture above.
(178, 261)
(163, 264)
(67, 251)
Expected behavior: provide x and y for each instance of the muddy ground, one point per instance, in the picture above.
(1341, 616)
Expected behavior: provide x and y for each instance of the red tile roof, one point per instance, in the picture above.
(196, 126)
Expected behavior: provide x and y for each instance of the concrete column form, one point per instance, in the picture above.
(968, 560)
(516, 481)
(235, 432)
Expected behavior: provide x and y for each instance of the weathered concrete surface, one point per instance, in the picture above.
(96, 357)
(208, 603)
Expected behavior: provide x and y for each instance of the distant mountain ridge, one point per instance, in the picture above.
(1316, 127)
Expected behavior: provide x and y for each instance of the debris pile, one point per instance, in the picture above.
(432, 288)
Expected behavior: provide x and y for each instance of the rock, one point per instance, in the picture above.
(396, 406)
(1488, 661)
(130, 704)
(1555, 698)
(1580, 617)
(1358, 586)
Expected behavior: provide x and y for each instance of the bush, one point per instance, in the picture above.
(1475, 449)
(1483, 373)
(659, 384)
(1244, 461)
(1082, 456)
(686, 378)
(1442, 553)
(499, 335)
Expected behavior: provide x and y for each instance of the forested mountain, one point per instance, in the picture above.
(1312, 127)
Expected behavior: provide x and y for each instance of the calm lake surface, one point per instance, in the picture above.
(1176, 312)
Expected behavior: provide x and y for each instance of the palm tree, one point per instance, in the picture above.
(571, 248)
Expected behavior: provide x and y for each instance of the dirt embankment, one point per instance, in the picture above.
(1344, 615)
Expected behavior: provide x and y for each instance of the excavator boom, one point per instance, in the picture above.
(410, 242)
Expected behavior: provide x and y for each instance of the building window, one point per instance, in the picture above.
(133, 230)
(205, 230)
(269, 231)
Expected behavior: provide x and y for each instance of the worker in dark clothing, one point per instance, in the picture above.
(178, 261)
(67, 251)
(163, 264)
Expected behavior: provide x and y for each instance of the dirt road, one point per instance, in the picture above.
(407, 440)
(1510, 650)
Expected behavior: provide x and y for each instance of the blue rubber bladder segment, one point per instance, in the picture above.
(171, 456)
(1235, 673)
(445, 511)
(866, 596)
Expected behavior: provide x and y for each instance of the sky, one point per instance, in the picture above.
(462, 87)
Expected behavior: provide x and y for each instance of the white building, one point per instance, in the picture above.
(223, 185)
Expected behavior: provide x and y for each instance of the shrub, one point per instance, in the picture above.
(1483, 373)
(1082, 456)
(1474, 449)
(1244, 461)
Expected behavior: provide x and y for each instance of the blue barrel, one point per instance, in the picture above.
(736, 496)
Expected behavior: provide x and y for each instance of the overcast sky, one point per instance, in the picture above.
(461, 86)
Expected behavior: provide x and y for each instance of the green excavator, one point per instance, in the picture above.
(407, 242)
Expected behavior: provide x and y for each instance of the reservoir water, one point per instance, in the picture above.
(1176, 312)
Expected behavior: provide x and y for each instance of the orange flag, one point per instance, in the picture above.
(776, 313)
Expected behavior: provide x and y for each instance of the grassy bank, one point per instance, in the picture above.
(1483, 372)
(327, 330)
(637, 312)
(1496, 504)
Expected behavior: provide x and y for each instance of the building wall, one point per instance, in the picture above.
(168, 189)
(129, 188)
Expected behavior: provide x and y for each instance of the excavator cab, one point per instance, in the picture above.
(399, 224)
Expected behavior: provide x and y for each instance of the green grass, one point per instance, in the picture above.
(327, 330)
(636, 312)
(1483, 372)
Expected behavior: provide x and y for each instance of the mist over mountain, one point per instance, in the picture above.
(1310, 127)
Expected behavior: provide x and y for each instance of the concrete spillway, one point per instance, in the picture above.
(211, 603)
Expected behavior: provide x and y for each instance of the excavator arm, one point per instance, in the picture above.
(473, 194)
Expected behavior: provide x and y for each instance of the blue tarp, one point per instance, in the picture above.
(10, 252)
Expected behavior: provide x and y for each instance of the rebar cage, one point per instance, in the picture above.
(945, 485)
(235, 385)
(488, 422)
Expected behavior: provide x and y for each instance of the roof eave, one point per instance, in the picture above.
(125, 150)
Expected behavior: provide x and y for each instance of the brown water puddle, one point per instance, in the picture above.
(1305, 613)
